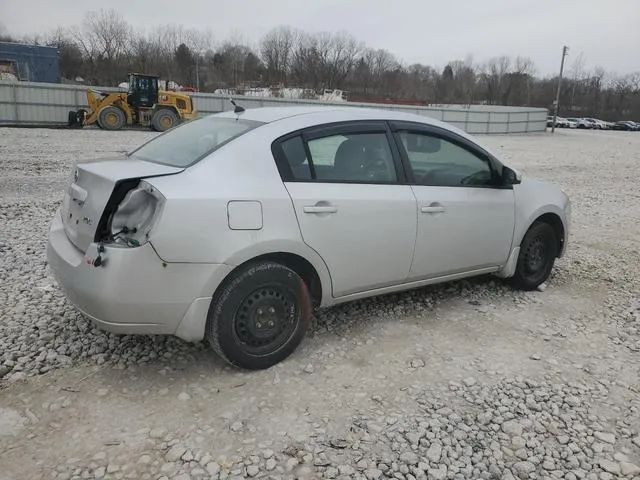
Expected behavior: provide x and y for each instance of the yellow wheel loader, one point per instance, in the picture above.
(144, 105)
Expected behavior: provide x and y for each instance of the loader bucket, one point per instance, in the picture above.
(73, 118)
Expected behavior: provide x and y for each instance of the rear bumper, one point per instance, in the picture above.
(134, 291)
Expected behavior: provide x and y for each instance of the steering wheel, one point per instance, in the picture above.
(477, 178)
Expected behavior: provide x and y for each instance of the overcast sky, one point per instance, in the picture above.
(607, 32)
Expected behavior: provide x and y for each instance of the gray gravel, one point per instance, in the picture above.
(572, 414)
(518, 428)
(41, 331)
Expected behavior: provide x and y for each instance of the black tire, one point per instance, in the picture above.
(538, 252)
(164, 119)
(112, 118)
(259, 316)
(72, 118)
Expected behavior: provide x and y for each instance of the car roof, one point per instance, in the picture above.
(273, 114)
(352, 113)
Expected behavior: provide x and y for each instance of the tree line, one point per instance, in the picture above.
(105, 48)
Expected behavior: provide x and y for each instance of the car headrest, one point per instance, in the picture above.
(349, 157)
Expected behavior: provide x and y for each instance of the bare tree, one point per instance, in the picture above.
(463, 80)
(595, 84)
(577, 75)
(634, 80)
(341, 57)
(71, 61)
(493, 75)
(276, 50)
(622, 87)
(517, 84)
(104, 38)
(307, 60)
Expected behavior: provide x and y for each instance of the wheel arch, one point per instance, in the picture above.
(302, 266)
(160, 106)
(549, 215)
(556, 223)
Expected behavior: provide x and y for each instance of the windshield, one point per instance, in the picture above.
(189, 143)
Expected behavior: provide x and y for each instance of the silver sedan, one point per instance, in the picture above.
(234, 227)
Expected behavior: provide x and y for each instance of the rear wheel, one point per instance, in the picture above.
(259, 316)
(538, 252)
(111, 118)
(164, 119)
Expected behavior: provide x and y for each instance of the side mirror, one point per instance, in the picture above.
(510, 176)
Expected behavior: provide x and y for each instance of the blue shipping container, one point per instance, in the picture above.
(33, 63)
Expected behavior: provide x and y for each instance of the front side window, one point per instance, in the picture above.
(439, 162)
(191, 142)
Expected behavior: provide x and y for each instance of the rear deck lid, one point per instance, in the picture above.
(90, 189)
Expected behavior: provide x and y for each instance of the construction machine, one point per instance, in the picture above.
(143, 105)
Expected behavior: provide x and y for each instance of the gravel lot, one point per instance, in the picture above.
(465, 380)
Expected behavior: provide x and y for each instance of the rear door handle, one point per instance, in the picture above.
(433, 208)
(320, 209)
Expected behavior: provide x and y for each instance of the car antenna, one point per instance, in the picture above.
(237, 109)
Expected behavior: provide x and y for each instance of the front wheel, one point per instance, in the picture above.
(538, 252)
(111, 118)
(164, 119)
(260, 316)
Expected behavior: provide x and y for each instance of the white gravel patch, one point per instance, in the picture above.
(465, 380)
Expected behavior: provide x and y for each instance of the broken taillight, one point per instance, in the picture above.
(134, 218)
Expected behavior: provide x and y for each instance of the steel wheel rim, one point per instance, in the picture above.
(265, 320)
(112, 119)
(536, 256)
(166, 121)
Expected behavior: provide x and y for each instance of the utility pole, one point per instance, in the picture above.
(565, 50)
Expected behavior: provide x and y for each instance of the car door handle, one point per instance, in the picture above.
(433, 208)
(320, 209)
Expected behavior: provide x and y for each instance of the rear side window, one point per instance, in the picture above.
(348, 158)
(359, 158)
(296, 156)
(189, 143)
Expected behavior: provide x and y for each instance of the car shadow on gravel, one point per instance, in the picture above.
(78, 342)
(339, 320)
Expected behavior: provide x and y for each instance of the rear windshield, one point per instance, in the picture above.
(191, 142)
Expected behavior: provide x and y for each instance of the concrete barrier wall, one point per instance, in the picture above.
(46, 104)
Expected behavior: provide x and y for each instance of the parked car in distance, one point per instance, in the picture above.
(572, 122)
(597, 124)
(233, 228)
(587, 123)
(560, 122)
(625, 125)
